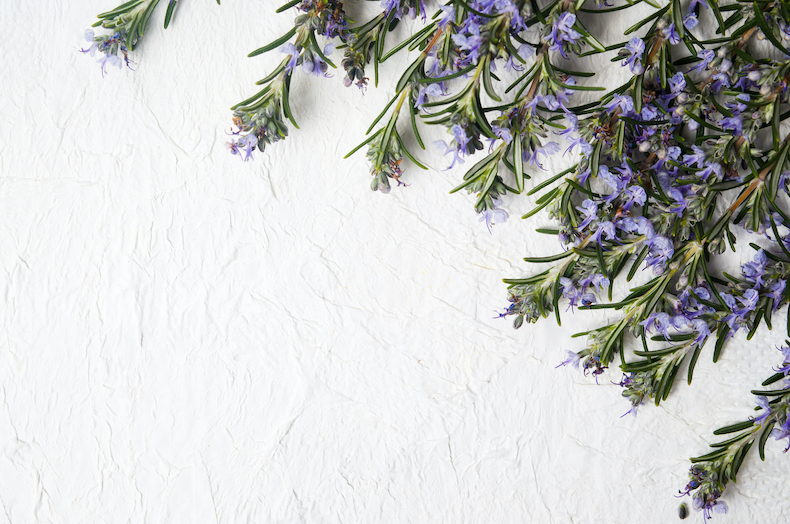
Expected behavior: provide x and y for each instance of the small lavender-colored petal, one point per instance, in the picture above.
(702, 329)
(777, 292)
(624, 102)
(290, 49)
(697, 157)
(733, 123)
(671, 34)
(635, 195)
(547, 149)
(753, 271)
(707, 57)
(690, 21)
(660, 252)
(446, 149)
(590, 210)
(711, 168)
(573, 359)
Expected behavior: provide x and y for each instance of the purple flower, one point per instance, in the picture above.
(721, 80)
(680, 201)
(314, 64)
(660, 322)
(693, 4)
(590, 212)
(548, 149)
(617, 183)
(449, 16)
(584, 148)
(753, 271)
(733, 123)
(702, 329)
(648, 113)
(496, 215)
(575, 294)
(597, 280)
(660, 252)
(290, 49)
(777, 292)
(748, 302)
(636, 47)
(624, 102)
(108, 59)
(697, 157)
(110, 46)
(573, 359)
(670, 34)
(243, 147)
(766, 410)
(607, 228)
(677, 83)
(711, 168)
(446, 149)
(707, 57)
(582, 177)
(562, 32)
(710, 503)
(690, 21)
(634, 195)
(503, 133)
(434, 89)
(469, 41)
(460, 136)
(737, 106)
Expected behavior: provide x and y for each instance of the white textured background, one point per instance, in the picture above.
(187, 338)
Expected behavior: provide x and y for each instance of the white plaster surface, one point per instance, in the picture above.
(188, 338)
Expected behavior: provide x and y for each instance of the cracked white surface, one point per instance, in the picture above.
(187, 338)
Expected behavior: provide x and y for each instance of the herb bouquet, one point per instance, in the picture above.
(669, 164)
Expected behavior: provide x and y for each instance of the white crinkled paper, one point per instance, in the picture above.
(188, 338)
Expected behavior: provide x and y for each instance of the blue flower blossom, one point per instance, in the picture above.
(671, 34)
(660, 252)
(753, 271)
(711, 168)
(562, 32)
(547, 150)
(624, 102)
(777, 292)
(435, 89)
(573, 359)
(634, 195)
(291, 50)
(503, 133)
(660, 322)
(690, 21)
(589, 210)
(635, 46)
(706, 56)
(605, 227)
(496, 215)
(697, 157)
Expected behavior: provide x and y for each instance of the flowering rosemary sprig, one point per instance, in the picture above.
(647, 195)
(127, 24)
(710, 473)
